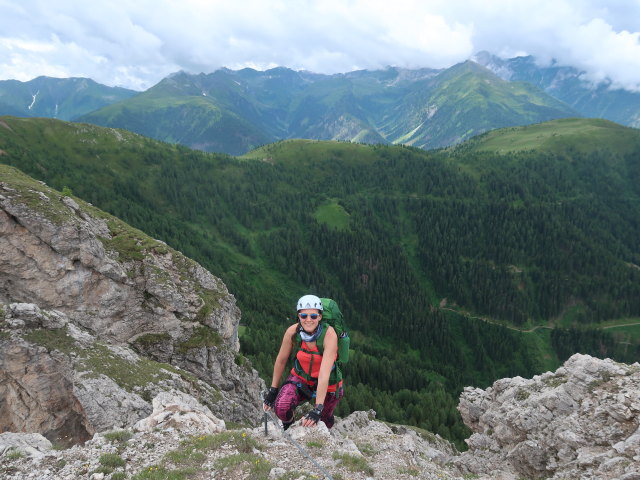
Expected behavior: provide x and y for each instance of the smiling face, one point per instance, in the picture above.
(308, 323)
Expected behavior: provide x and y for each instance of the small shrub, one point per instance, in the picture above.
(111, 460)
(555, 381)
(366, 449)
(353, 463)
(119, 476)
(119, 436)
(150, 339)
(103, 469)
(201, 337)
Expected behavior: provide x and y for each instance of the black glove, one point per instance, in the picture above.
(270, 397)
(314, 415)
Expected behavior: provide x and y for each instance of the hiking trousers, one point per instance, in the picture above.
(290, 396)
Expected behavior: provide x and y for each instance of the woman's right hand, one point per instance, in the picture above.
(270, 398)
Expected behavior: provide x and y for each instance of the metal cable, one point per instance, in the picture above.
(270, 416)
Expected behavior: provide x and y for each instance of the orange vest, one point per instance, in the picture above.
(308, 361)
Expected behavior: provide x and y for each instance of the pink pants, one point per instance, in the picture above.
(290, 396)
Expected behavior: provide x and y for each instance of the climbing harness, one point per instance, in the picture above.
(269, 416)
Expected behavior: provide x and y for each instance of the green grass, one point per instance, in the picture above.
(578, 133)
(628, 334)
(540, 342)
(14, 454)
(256, 467)
(315, 444)
(185, 457)
(211, 302)
(53, 339)
(353, 463)
(202, 336)
(333, 215)
(158, 472)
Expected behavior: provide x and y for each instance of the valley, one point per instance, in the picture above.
(389, 232)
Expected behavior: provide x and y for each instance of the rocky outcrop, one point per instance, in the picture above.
(183, 434)
(96, 318)
(581, 421)
(180, 411)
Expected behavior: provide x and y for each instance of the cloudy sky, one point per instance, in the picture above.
(136, 43)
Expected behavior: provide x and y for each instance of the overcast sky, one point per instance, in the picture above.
(136, 43)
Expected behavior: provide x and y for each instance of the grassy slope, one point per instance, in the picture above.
(189, 118)
(558, 135)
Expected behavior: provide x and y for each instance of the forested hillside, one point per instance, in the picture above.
(440, 260)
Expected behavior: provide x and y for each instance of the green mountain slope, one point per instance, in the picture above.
(446, 264)
(180, 109)
(62, 98)
(466, 100)
(232, 112)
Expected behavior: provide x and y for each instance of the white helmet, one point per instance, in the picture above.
(309, 301)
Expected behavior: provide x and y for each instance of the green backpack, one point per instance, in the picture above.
(332, 315)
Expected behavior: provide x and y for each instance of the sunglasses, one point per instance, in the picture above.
(313, 316)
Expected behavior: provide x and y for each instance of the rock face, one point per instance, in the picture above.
(36, 389)
(96, 318)
(581, 421)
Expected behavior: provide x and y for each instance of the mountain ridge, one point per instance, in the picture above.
(236, 111)
(371, 107)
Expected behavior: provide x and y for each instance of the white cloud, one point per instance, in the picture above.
(136, 44)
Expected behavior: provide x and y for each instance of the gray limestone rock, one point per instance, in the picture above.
(100, 288)
(570, 423)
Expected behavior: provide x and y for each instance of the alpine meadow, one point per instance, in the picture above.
(499, 257)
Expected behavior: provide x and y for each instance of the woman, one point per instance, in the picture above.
(314, 373)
